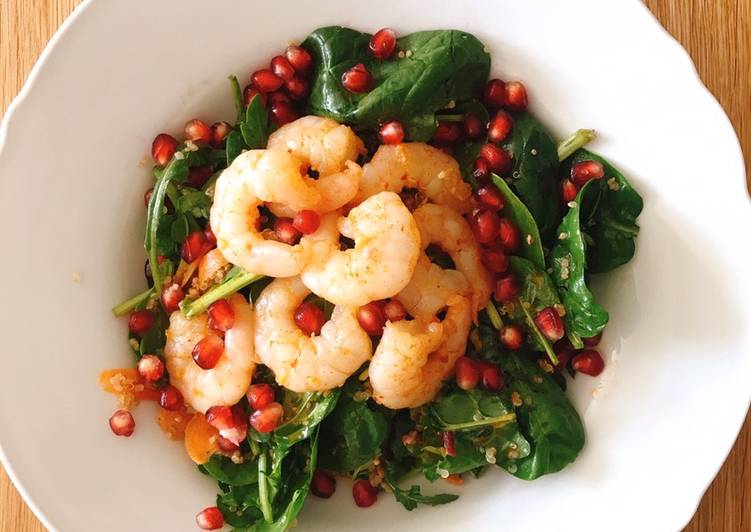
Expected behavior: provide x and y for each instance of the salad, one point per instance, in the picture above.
(378, 272)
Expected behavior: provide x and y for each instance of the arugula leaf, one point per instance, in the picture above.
(313, 409)
(236, 280)
(411, 497)
(255, 127)
(226, 471)
(194, 202)
(240, 505)
(234, 145)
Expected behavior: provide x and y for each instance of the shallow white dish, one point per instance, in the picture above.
(660, 420)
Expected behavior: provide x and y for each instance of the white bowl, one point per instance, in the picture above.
(660, 420)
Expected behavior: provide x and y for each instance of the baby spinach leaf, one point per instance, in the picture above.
(463, 410)
(465, 154)
(255, 127)
(225, 470)
(413, 496)
(432, 69)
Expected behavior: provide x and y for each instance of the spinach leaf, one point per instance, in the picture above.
(535, 171)
(234, 145)
(462, 410)
(432, 69)
(255, 127)
(411, 497)
(226, 471)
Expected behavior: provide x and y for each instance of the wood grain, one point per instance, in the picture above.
(717, 34)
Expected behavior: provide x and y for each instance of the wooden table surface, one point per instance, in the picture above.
(717, 34)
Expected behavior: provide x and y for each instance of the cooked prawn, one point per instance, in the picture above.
(300, 362)
(430, 287)
(387, 246)
(420, 166)
(225, 383)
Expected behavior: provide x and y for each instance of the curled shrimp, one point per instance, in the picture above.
(327, 147)
(420, 166)
(430, 287)
(387, 246)
(224, 384)
(305, 363)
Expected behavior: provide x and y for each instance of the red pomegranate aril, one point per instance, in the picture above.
(195, 246)
(467, 373)
(357, 79)
(210, 518)
(500, 126)
(163, 148)
(507, 288)
(279, 97)
(208, 351)
(592, 341)
(286, 232)
(122, 423)
(364, 493)
(219, 132)
(266, 81)
(383, 43)
(585, 171)
(197, 131)
(209, 235)
(494, 95)
(498, 160)
(480, 170)
(251, 91)
(220, 417)
(589, 362)
(221, 315)
(226, 446)
(260, 395)
(446, 133)
(151, 368)
(371, 319)
(472, 126)
(266, 419)
(550, 324)
(495, 260)
(568, 191)
(391, 133)
(484, 225)
(563, 351)
(511, 336)
(509, 236)
(172, 295)
(282, 113)
(448, 443)
(516, 96)
(323, 484)
(492, 380)
(140, 321)
(281, 66)
(394, 311)
(170, 398)
(310, 318)
(490, 197)
(298, 88)
(307, 221)
(299, 58)
(198, 175)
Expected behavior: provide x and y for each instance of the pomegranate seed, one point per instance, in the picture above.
(231, 423)
(122, 423)
(495, 260)
(563, 351)
(282, 113)
(498, 160)
(151, 368)
(383, 44)
(198, 175)
(197, 131)
(480, 170)
(511, 336)
(550, 324)
(445, 148)
(509, 236)
(307, 221)
(226, 446)
(394, 311)
(448, 443)
(300, 59)
(221, 315)
(507, 288)
(492, 380)
(391, 133)
(490, 197)
(195, 246)
(585, 171)
(298, 88)
(500, 126)
(140, 321)
(310, 318)
(494, 95)
(220, 417)
(286, 232)
(281, 66)
(163, 148)
(219, 132)
(472, 126)
(210, 236)
(172, 295)
(323, 484)
(266, 419)
(357, 79)
(260, 396)
(250, 91)
(279, 97)
(592, 341)
(516, 96)
(568, 191)
(265, 80)
(467, 373)
(589, 362)
(371, 319)
(210, 518)
(446, 133)
(364, 493)
(208, 351)
(170, 398)
(484, 224)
